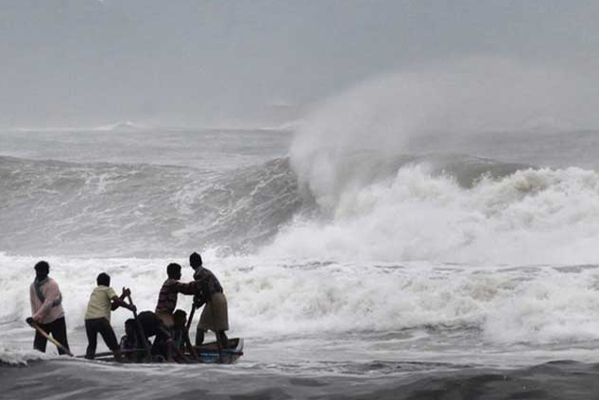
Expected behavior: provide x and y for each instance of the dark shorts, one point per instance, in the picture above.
(101, 326)
(58, 330)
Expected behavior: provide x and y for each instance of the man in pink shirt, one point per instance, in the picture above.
(46, 308)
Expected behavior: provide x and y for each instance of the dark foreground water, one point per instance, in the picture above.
(76, 379)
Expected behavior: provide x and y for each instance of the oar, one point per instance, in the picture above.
(187, 332)
(42, 332)
(141, 331)
(191, 317)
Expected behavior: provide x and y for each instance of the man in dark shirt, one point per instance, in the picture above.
(214, 315)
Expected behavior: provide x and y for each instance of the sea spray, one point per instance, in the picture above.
(412, 112)
(529, 217)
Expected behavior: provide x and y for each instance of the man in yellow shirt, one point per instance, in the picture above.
(103, 300)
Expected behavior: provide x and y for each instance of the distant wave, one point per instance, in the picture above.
(130, 126)
(117, 209)
(124, 125)
(115, 126)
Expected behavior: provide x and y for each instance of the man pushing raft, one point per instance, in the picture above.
(214, 315)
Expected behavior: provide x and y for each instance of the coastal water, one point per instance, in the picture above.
(457, 265)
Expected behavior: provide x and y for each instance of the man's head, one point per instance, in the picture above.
(174, 271)
(42, 269)
(179, 318)
(103, 279)
(195, 260)
(130, 327)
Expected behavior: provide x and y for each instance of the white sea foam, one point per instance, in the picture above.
(279, 297)
(20, 357)
(530, 217)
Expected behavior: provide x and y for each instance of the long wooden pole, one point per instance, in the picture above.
(191, 317)
(42, 332)
(187, 332)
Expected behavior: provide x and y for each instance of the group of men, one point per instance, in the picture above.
(167, 325)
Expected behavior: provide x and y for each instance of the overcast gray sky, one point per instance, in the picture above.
(66, 63)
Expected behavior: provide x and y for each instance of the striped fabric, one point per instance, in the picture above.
(167, 298)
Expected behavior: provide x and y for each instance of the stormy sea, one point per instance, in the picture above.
(357, 264)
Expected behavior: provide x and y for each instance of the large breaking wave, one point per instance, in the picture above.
(379, 162)
(528, 217)
(441, 208)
